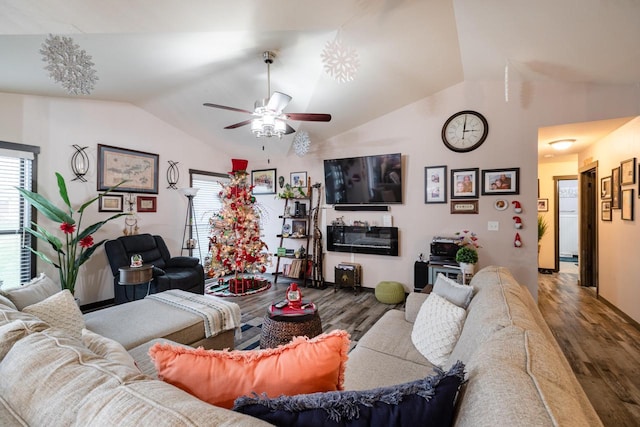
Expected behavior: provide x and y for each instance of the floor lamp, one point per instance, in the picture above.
(188, 242)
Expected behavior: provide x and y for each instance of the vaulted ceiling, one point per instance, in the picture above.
(170, 57)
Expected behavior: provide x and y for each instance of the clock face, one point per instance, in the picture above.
(465, 131)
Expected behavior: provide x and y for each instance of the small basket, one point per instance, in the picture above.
(277, 331)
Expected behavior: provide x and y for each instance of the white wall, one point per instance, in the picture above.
(618, 240)
(414, 130)
(55, 124)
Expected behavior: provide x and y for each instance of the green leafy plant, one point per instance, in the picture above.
(78, 246)
(289, 192)
(543, 226)
(467, 255)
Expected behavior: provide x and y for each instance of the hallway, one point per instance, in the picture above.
(602, 347)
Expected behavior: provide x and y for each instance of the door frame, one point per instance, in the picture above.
(588, 191)
(556, 216)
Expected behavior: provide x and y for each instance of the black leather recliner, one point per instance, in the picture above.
(185, 273)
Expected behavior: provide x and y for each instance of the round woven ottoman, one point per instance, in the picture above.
(388, 292)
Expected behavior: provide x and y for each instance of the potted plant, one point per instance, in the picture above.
(467, 257)
(77, 246)
(543, 226)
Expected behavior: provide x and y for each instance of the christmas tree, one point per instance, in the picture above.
(235, 244)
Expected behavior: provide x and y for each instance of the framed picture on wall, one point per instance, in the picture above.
(543, 205)
(464, 206)
(464, 183)
(137, 168)
(501, 181)
(110, 203)
(628, 172)
(627, 205)
(146, 204)
(435, 184)
(264, 181)
(298, 179)
(605, 188)
(605, 211)
(615, 188)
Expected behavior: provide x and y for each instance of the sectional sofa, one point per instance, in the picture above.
(516, 373)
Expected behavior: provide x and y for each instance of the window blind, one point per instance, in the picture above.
(16, 170)
(206, 203)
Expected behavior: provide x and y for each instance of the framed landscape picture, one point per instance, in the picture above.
(137, 168)
(464, 183)
(501, 181)
(435, 184)
(110, 203)
(264, 181)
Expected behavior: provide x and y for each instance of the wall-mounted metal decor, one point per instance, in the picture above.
(79, 163)
(173, 174)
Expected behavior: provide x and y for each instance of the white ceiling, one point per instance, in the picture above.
(169, 57)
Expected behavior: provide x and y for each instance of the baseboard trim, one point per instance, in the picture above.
(620, 312)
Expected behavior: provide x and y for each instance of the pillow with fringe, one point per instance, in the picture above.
(427, 402)
(305, 365)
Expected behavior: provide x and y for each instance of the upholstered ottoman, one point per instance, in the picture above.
(389, 292)
(135, 323)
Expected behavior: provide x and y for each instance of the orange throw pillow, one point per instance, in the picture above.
(220, 376)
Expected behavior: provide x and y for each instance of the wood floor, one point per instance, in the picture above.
(602, 347)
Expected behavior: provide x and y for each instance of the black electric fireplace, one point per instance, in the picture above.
(363, 240)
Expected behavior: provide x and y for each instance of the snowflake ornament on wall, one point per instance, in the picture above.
(301, 143)
(340, 61)
(69, 65)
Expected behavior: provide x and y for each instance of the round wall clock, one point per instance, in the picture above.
(465, 131)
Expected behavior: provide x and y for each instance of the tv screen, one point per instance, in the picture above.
(364, 180)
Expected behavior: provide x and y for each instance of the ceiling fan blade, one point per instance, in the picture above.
(278, 101)
(224, 107)
(289, 130)
(309, 117)
(237, 125)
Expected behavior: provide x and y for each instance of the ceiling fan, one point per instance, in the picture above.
(269, 119)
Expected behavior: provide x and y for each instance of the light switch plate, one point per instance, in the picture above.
(493, 226)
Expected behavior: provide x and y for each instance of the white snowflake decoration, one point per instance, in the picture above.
(340, 61)
(69, 65)
(301, 143)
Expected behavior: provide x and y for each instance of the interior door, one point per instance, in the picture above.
(588, 227)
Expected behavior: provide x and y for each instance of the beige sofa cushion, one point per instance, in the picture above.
(38, 289)
(107, 348)
(529, 386)
(15, 330)
(49, 376)
(60, 311)
(151, 321)
(437, 328)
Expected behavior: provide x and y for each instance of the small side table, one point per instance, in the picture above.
(133, 276)
(280, 330)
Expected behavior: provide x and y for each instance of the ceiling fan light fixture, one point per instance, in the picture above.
(268, 126)
(562, 144)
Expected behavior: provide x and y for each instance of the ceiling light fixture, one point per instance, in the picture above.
(562, 144)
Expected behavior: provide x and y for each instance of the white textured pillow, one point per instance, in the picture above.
(107, 348)
(35, 291)
(452, 291)
(437, 328)
(60, 311)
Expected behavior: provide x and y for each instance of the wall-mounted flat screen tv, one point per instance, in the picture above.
(364, 180)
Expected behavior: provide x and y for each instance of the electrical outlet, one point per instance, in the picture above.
(493, 226)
